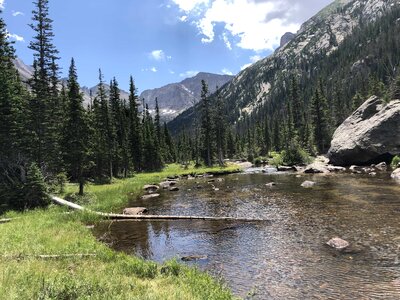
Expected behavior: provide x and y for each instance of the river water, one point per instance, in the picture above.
(284, 257)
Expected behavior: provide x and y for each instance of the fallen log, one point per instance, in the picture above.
(112, 216)
(47, 256)
(2, 221)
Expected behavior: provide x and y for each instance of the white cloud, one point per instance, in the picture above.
(189, 74)
(171, 72)
(245, 66)
(159, 55)
(255, 58)
(152, 69)
(189, 5)
(226, 71)
(248, 24)
(2, 4)
(16, 37)
(226, 40)
(17, 13)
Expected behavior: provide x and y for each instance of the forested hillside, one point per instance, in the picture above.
(305, 90)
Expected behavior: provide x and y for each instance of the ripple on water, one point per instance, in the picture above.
(286, 258)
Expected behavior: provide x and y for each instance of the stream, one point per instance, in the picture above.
(286, 256)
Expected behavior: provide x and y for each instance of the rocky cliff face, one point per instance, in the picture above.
(369, 135)
(177, 97)
(263, 85)
(286, 38)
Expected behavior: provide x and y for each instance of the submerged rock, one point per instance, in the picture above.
(174, 189)
(150, 196)
(194, 257)
(338, 243)
(308, 184)
(271, 184)
(134, 211)
(371, 133)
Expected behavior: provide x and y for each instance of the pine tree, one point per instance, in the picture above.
(395, 88)
(220, 128)
(266, 139)
(277, 136)
(206, 126)
(76, 132)
(135, 130)
(170, 152)
(12, 101)
(320, 121)
(45, 102)
(35, 189)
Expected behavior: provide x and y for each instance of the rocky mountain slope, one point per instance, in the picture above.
(338, 47)
(175, 98)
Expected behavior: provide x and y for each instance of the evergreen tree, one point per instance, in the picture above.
(320, 121)
(206, 126)
(220, 128)
(277, 136)
(395, 88)
(135, 130)
(267, 139)
(170, 152)
(35, 189)
(76, 132)
(43, 125)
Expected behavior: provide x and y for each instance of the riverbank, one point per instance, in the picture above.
(46, 254)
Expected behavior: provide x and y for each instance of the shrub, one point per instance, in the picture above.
(396, 162)
(295, 155)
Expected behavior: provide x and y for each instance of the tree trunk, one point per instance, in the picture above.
(81, 186)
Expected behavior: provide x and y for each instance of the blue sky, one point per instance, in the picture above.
(163, 41)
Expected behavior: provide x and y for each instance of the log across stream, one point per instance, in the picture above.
(113, 216)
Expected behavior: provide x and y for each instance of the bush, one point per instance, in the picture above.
(396, 162)
(22, 187)
(295, 155)
(276, 160)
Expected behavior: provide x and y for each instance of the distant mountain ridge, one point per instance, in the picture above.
(175, 98)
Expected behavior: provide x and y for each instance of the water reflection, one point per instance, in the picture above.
(286, 258)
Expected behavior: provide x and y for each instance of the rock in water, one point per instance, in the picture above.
(150, 196)
(134, 211)
(396, 174)
(370, 133)
(338, 243)
(308, 184)
(151, 188)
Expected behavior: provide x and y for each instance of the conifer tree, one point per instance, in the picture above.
(135, 130)
(76, 132)
(206, 126)
(220, 128)
(395, 88)
(320, 121)
(45, 101)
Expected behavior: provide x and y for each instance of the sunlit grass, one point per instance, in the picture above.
(113, 197)
(108, 274)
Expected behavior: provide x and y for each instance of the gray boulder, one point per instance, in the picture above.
(308, 184)
(370, 134)
(396, 174)
(338, 243)
(134, 211)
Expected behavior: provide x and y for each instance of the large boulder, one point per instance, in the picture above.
(369, 135)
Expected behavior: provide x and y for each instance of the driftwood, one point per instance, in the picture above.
(63, 202)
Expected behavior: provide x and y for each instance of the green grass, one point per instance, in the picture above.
(113, 197)
(108, 275)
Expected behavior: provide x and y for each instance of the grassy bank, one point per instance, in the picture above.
(107, 275)
(113, 197)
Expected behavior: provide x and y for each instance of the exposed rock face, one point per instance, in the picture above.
(370, 134)
(286, 38)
